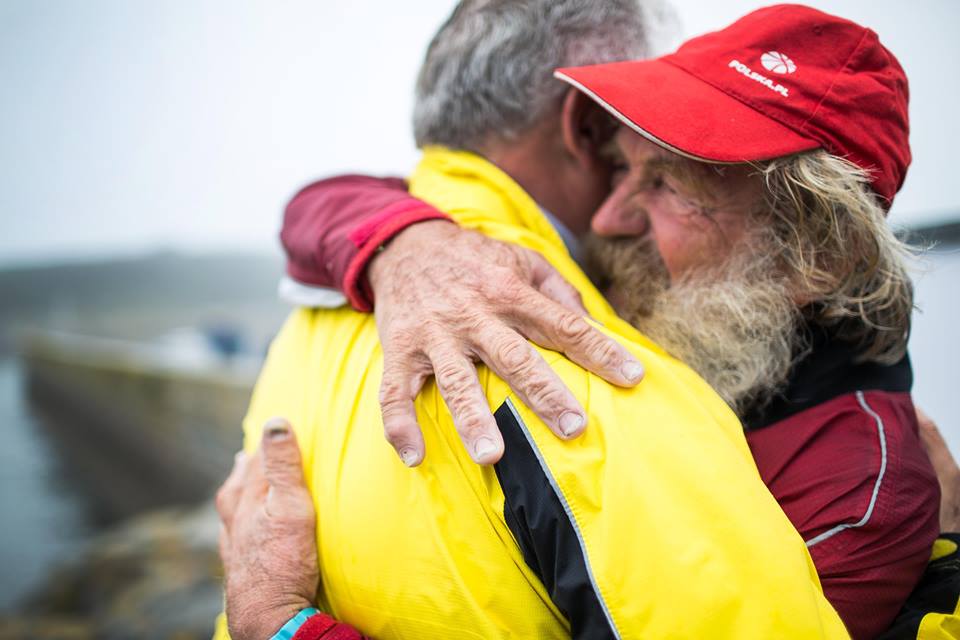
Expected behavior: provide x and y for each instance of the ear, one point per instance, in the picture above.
(585, 126)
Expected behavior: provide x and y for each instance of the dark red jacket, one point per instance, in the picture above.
(839, 449)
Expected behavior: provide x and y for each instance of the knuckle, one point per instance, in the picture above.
(541, 391)
(470, 423)
(391, 393)
(400, 341)
(573, 329)
(297, 507)
(396, 432)
(505, 288)
(514, 355)
(605, 353)
(453, 376)
(472, 320)
(221, 501)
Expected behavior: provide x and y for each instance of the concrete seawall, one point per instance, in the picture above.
(138, 428)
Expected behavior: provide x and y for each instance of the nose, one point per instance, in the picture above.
(618, 217)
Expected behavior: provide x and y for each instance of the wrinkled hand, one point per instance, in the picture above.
(447, 297)
(267, 538)
(948, 473)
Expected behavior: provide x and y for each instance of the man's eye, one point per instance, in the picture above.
(617, 173)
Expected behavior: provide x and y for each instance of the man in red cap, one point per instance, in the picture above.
(745, 233)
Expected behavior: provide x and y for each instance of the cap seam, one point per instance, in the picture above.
(833, 82)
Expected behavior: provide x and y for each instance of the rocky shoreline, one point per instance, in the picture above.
(155, 577)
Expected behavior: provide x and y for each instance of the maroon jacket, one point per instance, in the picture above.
(839, 449)
(320, 626)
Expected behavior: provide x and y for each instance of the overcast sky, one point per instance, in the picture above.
(135, 125)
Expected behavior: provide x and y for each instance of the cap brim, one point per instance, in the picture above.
(684, 114)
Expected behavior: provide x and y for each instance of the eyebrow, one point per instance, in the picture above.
(666, 163)
(688, 174)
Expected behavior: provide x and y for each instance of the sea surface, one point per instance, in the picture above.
(43, 516)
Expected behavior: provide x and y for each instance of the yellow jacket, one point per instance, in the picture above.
(654, 523)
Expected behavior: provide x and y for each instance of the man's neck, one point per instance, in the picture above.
(534, 164)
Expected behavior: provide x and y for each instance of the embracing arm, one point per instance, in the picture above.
(447, 298)
(333, 227)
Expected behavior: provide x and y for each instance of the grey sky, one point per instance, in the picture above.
(130, 125)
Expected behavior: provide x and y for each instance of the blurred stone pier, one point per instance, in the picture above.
(134, 376)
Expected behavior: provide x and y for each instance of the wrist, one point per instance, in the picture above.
(290, 628)
(421, 233)
(260, 620)
(370, 242)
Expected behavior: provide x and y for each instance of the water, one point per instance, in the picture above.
(44, 518)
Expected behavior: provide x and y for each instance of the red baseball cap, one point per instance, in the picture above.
(776, 82)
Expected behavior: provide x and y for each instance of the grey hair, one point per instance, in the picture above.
(489, 70)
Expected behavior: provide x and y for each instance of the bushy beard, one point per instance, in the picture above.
(735, 324)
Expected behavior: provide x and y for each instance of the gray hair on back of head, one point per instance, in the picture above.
(489, 70)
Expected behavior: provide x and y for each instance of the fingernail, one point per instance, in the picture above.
(571, 423)
(409, 457)
(277, 429)
(631, 370)
(484, 447)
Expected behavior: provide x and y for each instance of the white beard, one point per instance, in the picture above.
(735, 324)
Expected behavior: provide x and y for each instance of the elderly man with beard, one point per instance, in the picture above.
(746, 234)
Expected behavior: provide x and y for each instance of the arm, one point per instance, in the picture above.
(332, 228)
(448, 298)
(948, 473)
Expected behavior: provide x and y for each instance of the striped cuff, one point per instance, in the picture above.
(288, 630)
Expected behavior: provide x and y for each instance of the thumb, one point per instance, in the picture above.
(550, 283)
(282, 466)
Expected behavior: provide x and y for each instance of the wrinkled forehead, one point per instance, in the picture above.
(710, 182)
(637, 150)
(639, 154)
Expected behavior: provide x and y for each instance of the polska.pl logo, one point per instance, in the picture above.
(777, 62)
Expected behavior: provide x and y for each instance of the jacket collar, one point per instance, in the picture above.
(495, 197)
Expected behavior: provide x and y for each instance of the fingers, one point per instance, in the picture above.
(228, 496)
(515, 360)
(550, 283)
(551, 325)
(282, 466)
(458, 384)
(287, 496)
(398, 389)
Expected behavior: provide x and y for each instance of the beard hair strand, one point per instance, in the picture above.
(735, 324)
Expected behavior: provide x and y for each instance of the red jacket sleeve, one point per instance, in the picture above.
(322, 627)
(332, 228)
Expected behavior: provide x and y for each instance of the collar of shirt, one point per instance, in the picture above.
(570, 239)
